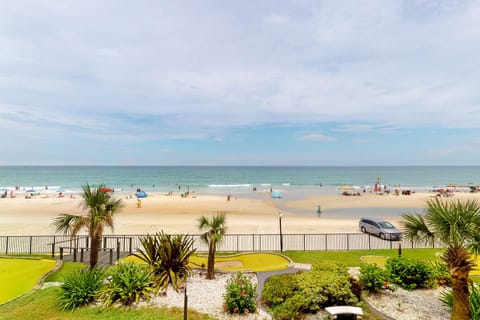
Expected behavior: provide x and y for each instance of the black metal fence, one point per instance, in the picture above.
(231, 243)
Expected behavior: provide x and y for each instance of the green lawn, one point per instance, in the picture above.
(19, 276)
(352, 258)
(41, 305)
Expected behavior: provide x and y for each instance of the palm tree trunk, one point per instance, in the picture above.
(461, 300)
(94, 251)
(211, 261)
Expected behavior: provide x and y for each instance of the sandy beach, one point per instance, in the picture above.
(174, 214)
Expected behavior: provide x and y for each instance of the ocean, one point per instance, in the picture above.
(234, 180)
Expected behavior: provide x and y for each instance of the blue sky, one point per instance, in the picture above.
(240, 82)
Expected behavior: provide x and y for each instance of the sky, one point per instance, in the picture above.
(312, 83)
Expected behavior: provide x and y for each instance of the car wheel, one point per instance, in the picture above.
(382, 236)
(363, 229)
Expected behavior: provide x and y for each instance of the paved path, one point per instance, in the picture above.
(263, 276)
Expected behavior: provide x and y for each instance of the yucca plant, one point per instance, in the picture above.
(168, 257)
(127, 283)
(79, 288)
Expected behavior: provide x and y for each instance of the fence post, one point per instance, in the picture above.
(53, 247)
(118, 250)
(30, 249)
(130, 245)
(237, 242)
(304, 241)
(348, 242)
(369, 244)
(6, 245)
(326, 241)
(111, 256)
(253, 242)
(74, 254)
(81, 254)
(61, 253)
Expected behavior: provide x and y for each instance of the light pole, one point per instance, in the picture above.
(280, 216)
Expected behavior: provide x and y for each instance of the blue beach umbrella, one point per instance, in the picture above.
(276, 194)
(141, 194)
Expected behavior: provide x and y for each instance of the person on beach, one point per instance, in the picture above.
(319, 211)
(139, 203)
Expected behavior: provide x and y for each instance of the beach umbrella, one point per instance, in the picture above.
(141, 194)
(346, 188)
(276, 194)
(31, 190)
(105, 190)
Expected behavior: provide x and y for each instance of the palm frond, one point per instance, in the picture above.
(416, 228)
(69, 223)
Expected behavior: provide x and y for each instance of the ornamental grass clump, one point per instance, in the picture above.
(127, 283)
(240, 296)
(79, 288)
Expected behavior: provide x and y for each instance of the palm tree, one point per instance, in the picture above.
(214, 231)
(168, 256)
(456, 224)
(101, 207)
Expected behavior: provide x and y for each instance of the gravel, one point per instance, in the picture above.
(206, 296)
(421, 304)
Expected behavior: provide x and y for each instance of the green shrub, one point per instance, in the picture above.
(290, 295)
(408, 273)
(278, 289)
(127, 283)
(475, 302)
(440, 274)
(372, 277)
(240, 296)
(79, 288)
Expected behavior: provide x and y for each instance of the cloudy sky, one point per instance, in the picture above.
(240, 82)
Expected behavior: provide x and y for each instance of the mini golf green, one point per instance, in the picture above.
(19, 276)
(256, 262)
(378, 260)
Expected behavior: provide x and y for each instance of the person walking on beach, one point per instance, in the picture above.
(319, 211)
(139, 203)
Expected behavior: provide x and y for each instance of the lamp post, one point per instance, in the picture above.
(280, 216)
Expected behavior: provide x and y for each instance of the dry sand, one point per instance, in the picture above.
(173, 214)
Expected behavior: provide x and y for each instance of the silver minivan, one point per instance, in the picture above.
(379, 227)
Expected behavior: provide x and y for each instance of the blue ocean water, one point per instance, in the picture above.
(232, 179)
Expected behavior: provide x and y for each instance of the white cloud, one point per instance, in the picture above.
(209, 65)
(316, 138)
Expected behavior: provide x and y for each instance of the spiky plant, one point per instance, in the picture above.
(168, 256)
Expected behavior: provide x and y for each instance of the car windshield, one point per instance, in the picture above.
(386, 225)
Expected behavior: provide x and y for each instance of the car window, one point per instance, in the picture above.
(386, 225)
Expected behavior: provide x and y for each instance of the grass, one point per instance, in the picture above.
(19, 276)
(41, 305)
(256, 262)
(352, 258)
(66, 268)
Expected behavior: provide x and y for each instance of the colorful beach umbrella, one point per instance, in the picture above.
(142, 194)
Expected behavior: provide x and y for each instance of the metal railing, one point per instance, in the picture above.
(50, 244)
